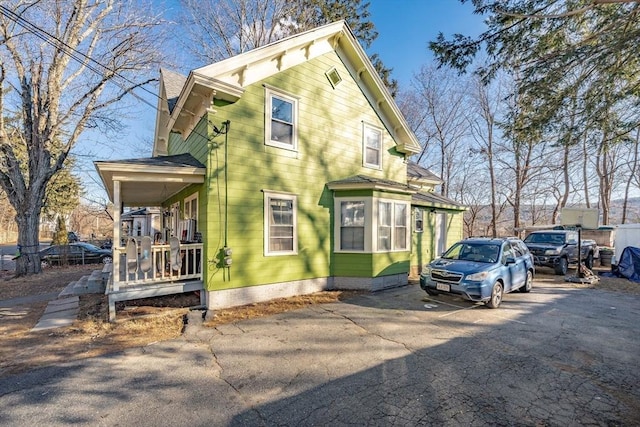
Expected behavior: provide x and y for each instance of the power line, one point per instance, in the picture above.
(70, 51)
(78, 56)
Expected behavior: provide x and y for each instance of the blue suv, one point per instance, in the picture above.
(481, 269)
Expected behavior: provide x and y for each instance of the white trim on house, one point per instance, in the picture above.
(227, 79)
(371, 225)
(270, 94)
(267, 223)
(367, 148)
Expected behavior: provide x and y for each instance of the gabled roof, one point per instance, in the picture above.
(227, 79)
(173, 83)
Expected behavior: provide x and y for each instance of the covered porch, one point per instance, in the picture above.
(162, 261)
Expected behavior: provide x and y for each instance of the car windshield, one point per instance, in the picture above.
(550, 238)
(478, 252)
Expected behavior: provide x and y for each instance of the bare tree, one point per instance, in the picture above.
(66, 65)
(442, 99)
(486, 101)
(219, 29)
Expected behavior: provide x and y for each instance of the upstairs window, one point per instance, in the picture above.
(372, 147)
(281, 120)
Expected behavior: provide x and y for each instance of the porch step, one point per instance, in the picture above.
(92, 284)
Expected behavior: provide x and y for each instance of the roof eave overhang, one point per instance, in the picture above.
(406, 141)
(174, 177)
(197, 96)
(424, 181)
(370, 186)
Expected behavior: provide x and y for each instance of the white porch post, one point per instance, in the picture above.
(117, 230)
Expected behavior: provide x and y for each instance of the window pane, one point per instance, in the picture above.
(281, 227)
(384, 213)
(281, 212)
(400, 238)
(384, 238)
(281, 110)
(352, 238)
(352, 226)
(401, 215)
(372, 156)
(282, 132)
(372, 138)
(352, 214)
(373, 145)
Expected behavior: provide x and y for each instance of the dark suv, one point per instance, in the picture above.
(481, 269)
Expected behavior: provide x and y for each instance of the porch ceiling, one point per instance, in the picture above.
(150, 181)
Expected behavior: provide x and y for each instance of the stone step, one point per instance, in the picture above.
(92, 284)
(59, 313)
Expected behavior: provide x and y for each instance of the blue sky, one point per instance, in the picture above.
(404, 28)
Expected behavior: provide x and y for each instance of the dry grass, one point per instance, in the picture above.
(275, 306)
(142, 322)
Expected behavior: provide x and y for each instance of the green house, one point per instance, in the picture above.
(280, 171)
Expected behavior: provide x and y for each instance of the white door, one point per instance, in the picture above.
(440, 233)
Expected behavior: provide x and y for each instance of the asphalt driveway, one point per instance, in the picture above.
(559, 355)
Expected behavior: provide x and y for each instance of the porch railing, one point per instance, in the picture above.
(156, 266)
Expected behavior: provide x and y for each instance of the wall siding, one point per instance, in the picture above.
(329, 148)
(423, 244)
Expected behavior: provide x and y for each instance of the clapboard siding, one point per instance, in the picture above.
(330, 128)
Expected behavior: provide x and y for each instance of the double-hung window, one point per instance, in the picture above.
(372, 147)
(392, 226)
(280, 227)
(352, 215)
(384, 226)
(281, 120)
(400, 226)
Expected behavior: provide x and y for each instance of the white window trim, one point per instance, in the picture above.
(370, 224)
(365, 127)
(187, 202)
(269, 93)
(393, 225)
(338, 224)
(266, 221)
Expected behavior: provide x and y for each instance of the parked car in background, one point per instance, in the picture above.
(75, 253)
(481, 269)
(558, 248)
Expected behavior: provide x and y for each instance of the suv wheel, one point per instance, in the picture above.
(528, 282)
(496, 296)
(562, 267)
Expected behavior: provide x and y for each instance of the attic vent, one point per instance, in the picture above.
(334, 77)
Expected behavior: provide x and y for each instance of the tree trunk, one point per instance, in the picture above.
(29, 260)
(633, 168)
(565, 175)
(585, 175)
